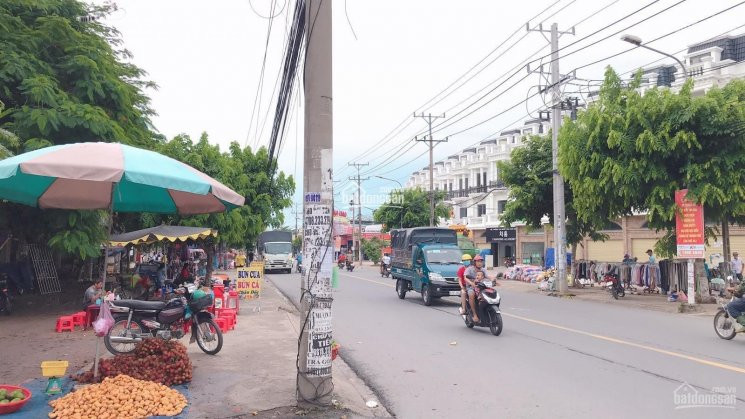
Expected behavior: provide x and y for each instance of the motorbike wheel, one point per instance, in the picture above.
(495, 322)
(5, 305)
(401, 288)
(724, 325)
(426, 295)
(614, 293)
(119, 329)
(209, 337)
(621, 292)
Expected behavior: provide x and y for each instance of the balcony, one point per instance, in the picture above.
(498, 184)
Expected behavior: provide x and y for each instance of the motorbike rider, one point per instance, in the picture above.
(465, 261)
(736, 307)
(470, 278)
(386, 262)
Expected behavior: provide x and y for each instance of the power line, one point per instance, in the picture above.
(259, 87)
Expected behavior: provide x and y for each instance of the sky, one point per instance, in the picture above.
(390, 58)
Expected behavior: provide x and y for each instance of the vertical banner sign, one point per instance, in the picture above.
(248, 283)
(689, 227)
(318, 254)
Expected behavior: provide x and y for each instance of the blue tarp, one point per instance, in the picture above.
(38, 406)
(550, 258)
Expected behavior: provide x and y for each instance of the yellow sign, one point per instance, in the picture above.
(248, 283)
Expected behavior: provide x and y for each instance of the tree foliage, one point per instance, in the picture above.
(373, 247)
(529, 176)
(629, 152)
(409, 208)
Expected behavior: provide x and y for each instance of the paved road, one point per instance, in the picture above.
(555, 358)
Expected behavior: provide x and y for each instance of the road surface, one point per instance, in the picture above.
(556, 358)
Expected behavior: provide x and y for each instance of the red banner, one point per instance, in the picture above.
(689, 227)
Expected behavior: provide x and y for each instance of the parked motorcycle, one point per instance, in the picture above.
(5, 304)
(487, 303)
(615, 287)
(385, 270)
(724, 324)
(350, 265)
(135, 320)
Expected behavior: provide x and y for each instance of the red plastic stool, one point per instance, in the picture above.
(233, 301)
(65, 323)
(80, 319)
(230, 322)
(222, 323)
(228, 312)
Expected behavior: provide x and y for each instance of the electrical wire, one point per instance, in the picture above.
(257, 99)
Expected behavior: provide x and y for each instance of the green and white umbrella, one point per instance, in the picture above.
(111, 176)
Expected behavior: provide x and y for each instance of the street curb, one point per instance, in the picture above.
(382, 402)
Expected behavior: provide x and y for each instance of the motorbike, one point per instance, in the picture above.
(340, 264)
(487, 303)
(350, 265)
(5, 304)
(299, 267)
(385, 270)
(724, 324)
(615, 287)
(135, 320)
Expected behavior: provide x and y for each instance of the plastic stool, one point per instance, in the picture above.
(230, 322)
(222, 323)
(65, 323)
(80, 319)
(228, 312)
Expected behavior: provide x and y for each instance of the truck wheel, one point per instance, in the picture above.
(401, 288)
(426, 295)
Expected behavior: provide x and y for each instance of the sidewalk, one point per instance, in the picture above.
(655, 302)
(254, 374)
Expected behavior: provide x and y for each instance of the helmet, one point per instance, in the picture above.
(478, 257)
(466, 256)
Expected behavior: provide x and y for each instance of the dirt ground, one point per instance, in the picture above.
(27, 336)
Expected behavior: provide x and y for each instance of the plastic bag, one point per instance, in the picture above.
(104, 322)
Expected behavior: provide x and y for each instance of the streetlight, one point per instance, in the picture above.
(392, 180)
(635, 40)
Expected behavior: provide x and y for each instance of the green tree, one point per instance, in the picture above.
(409, 208)
(630, 152)
(373, 247)
(529, 176)
(297, 244)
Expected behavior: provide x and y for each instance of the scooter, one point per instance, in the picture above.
(385, 270)
(614, 285)
(487, 303)
(724, 323)
(5, 305)
(350, 265)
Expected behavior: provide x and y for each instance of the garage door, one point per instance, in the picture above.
(607, 251)
(736, 244)
(639, 248)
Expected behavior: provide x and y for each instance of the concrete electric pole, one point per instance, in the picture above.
(359, 180)
(314, 385)
(431, 142)
(560, 246)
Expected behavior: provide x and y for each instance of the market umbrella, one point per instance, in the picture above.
(162, 233)
(111, 176)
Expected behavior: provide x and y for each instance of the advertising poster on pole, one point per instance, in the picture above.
(248, 282)
(689, 227)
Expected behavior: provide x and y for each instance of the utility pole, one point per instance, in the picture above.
(359, 180)
(314, 380)
(431, 142)
(560, 246)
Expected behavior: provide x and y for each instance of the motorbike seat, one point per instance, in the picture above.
(140, 305)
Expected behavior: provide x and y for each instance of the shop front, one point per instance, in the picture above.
(502, 242)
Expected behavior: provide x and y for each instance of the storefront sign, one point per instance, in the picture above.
(500, 234)
(248, 283)
(689, 227)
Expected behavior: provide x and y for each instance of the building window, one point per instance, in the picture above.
(483, 176)
(463, 212)
(466, 183)
(500, 206)
(460, 184)
(481, 209)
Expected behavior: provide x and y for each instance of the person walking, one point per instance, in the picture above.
(736, 265)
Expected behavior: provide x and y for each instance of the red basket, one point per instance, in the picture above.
(13, 406)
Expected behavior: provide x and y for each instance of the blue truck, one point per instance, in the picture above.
(425, 260)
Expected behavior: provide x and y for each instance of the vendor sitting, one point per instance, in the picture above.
(93, 294)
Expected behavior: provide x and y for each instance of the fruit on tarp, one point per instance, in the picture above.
(17, 394)
(164, 362)
(3, 401)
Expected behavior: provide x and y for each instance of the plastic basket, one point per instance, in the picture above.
(13, 406)
(200, 304)
(53, 368)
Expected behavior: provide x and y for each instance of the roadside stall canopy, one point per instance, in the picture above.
(162, 233)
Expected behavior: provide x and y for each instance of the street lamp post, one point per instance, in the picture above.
(635, 40)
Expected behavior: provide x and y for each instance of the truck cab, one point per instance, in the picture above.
(275, 248)
(426, 260)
